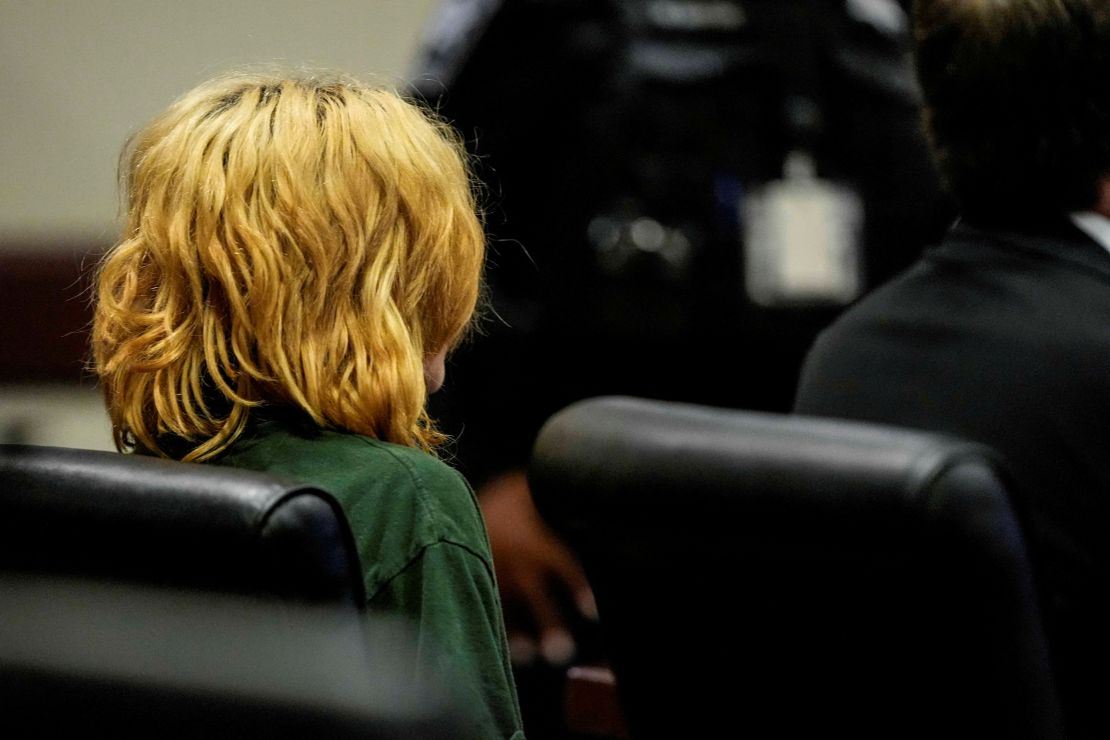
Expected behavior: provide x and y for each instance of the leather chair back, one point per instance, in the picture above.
(779, 576)
(133, 518)
(87, 658)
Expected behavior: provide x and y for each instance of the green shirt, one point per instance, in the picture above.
(423, 548)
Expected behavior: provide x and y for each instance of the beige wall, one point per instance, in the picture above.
(58, 415)
(77, 76)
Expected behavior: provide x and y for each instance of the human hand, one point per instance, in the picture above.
(537, 573)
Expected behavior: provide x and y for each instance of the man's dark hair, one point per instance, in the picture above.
(1018, 101)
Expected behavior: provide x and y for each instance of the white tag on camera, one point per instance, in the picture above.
(802, 240)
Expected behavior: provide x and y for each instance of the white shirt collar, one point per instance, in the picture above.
(1094, 225)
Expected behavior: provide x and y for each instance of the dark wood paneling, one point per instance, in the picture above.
(45, 310)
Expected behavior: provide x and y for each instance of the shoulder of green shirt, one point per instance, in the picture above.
(362, 473)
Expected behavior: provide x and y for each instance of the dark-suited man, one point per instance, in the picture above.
(1001, 334)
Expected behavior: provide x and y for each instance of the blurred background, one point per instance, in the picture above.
(679, 195)
(76, 78)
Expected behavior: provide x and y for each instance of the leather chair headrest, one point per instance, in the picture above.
(129, 517)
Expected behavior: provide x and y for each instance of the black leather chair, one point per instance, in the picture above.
(89, 658)
(771, 576)
(149, 598)
(126, 517)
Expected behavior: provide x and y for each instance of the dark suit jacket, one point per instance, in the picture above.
(1004, 338)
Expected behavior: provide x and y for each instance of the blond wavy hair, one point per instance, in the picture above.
(296, 241)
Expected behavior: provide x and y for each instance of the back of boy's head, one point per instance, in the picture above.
(303, 242)
(1017, 102)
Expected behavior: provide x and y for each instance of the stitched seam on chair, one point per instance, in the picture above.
(291, 490)
(281, 492)
(937, 460)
